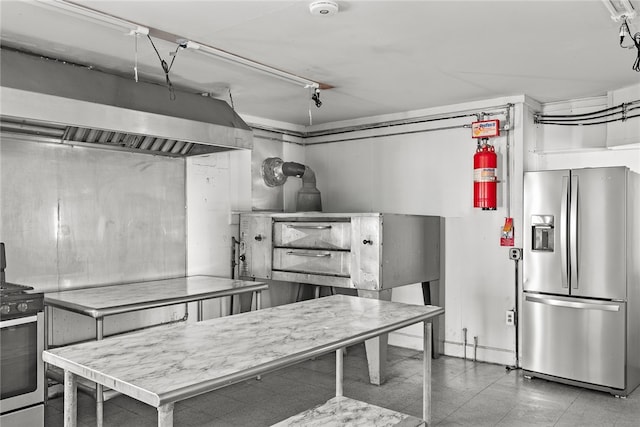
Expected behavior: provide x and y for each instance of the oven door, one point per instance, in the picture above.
(22, 369)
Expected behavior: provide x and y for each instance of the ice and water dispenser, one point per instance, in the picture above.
(542, 233)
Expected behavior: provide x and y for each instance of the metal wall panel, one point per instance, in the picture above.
(74, 217)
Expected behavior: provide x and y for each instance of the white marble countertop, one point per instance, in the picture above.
(113, 299)
(165, 365)
(341, 411)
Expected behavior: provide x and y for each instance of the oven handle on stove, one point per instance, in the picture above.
(18, 321)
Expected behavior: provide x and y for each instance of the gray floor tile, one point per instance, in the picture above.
(214, 403)
(532, 414)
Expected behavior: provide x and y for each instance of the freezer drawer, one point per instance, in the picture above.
(331, 263)
(317, 235)
(573, 338)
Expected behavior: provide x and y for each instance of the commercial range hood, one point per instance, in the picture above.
(47, 100)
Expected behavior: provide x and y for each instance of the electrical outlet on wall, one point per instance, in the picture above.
(515, 254)
(510, 317)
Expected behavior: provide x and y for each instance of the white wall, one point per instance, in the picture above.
(563, 147)
(431, 173)
(217, 185)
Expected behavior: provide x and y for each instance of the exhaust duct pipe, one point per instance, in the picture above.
(275, 173)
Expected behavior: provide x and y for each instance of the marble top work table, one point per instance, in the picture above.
(102, 301)
(165, 365)
(99, 302)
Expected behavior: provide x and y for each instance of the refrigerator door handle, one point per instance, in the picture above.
(573, 232)
(573, 304)
(563, 231)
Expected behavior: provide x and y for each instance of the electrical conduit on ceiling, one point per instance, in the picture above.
(489, 111)
(608, 115)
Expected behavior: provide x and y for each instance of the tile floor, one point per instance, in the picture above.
(465, 393)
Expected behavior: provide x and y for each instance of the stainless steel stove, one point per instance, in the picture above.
(21, 366)
(17, 301)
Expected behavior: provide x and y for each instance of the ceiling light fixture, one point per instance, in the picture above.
(620, 9)
(239, 60)
(72, 9)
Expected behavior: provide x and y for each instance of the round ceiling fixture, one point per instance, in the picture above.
(323, 8)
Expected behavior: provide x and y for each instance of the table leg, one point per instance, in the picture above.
(429, 300)
(258, 306)
(245, 300)
(99, 406)
(165, 415)
(258, 300)
(339, 371)
(46, 347)
(70, 399)
(200, 310)
(426, 380)
(376, 348)
(99, 387)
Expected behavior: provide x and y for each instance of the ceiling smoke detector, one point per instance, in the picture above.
(323, 8)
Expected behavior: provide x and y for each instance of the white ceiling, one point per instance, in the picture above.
(381, 57)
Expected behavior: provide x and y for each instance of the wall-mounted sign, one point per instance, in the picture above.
(485, 129)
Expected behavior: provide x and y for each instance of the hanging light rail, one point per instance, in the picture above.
(73, 9)
(92, 14)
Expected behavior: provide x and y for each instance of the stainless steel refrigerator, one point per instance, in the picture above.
(581, 278)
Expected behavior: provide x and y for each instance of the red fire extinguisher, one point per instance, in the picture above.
(485, 181)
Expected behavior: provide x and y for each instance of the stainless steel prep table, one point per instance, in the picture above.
(102, 301)
(162, 366)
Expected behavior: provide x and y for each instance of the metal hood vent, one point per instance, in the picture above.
(31, 130)
(46, 100)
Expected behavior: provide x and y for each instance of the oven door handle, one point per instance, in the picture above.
(310, 254)
(18, 321)
(309, 227)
